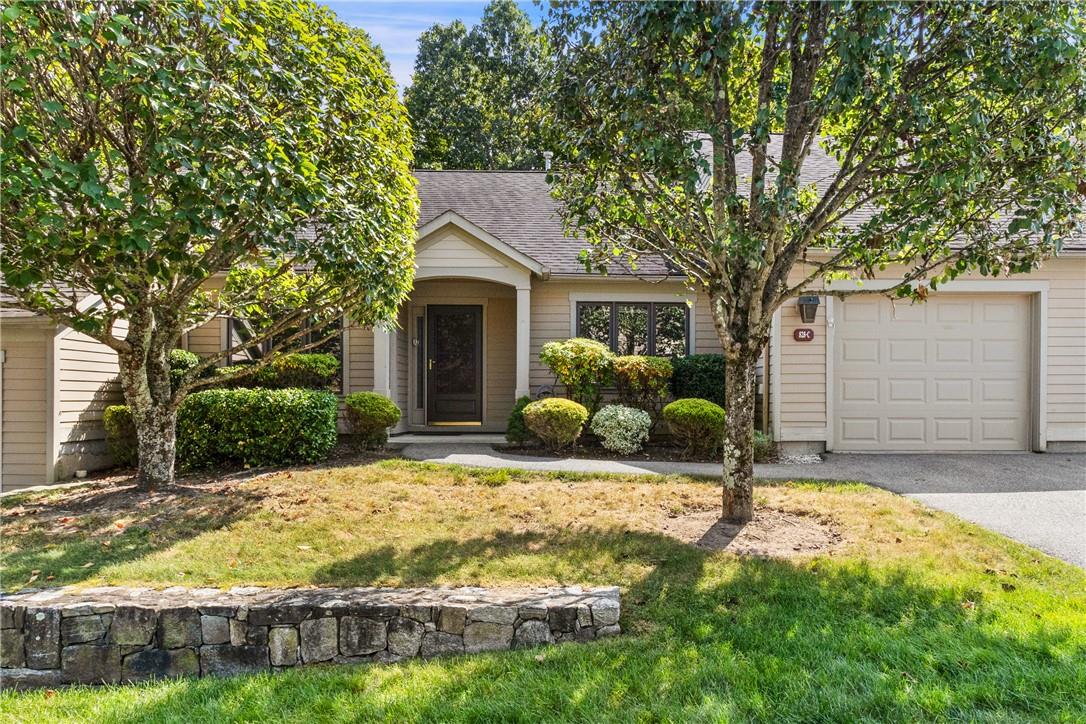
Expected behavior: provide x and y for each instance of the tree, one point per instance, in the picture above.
(474, 100)
(681, 130)
(149, 147)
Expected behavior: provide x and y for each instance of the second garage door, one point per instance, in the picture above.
(951, 374)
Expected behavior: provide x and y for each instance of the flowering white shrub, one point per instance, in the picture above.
(621, 429)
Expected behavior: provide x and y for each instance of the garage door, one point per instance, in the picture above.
(951, 374)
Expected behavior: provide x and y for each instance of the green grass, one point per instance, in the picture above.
(918, 616)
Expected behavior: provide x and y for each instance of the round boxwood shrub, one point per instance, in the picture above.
(516, 430)
(121, 436)
(181, 361)
(621, 429)
(582, 365)
(255, 427)
(369, 416)
(558, 422)
(700, 376)
(698, 424)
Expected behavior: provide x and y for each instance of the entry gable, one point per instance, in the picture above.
(452, 243)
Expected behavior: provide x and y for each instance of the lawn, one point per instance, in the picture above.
(913, 615)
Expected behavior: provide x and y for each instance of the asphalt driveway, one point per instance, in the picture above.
(1038, 499)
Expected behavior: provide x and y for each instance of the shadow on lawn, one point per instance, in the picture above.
(107, 525)
(708, 636)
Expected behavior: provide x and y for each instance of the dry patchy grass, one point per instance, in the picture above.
(913, 615)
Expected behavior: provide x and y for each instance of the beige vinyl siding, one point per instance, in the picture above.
(401, 341)
(207, 340)
(803, 374)
(500, 355)
(86, 383)
(24, 399)
(803, 365)
(359, 360)
(1066, 348)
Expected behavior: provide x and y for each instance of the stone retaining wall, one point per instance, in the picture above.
(97, 635)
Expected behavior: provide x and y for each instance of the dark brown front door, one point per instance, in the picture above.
(454, 375)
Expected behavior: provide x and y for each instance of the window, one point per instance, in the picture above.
(240, 331)
(650, 328)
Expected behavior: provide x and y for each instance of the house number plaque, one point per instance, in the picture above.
(803, 334)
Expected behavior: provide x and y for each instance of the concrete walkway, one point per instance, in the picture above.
(1039, 500)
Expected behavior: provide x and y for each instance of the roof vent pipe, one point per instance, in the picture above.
(547, 156)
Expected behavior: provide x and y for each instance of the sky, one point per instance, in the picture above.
(396, 26)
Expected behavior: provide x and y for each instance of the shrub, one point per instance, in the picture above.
(255, 427)
(764, 449)
(582, 365)
(698, 424)
(516, 430)
(557, 422)
(370, 415)
(121, 436)
(699, 376)
(309, 371)
(621, 429)
(642, 382)
(181, 361)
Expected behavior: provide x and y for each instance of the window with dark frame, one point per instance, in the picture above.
(239, 332)
(659, 329)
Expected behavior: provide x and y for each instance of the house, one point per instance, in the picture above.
(985, 364)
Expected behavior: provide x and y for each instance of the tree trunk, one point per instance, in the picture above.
(739, 387)
(156, 430)
(145, 377)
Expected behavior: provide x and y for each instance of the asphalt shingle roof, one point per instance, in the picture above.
(516, 207)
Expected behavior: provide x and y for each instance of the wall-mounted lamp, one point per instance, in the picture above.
(808, 307)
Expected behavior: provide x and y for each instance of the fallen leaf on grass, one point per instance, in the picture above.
(49, 578)
(88, 564)
(305, 548)
(33, 577)
(969, 605)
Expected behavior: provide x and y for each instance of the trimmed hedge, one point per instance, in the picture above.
(369, 416)
(699, 376)
(516, 429)
(181, 361)
(255, 427)
(557, 421)
(699, 424)
(642, 382)
(121, 436)
(309, 371)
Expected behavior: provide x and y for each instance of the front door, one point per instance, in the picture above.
(454, 364)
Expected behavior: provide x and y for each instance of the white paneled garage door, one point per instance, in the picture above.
(951, 374)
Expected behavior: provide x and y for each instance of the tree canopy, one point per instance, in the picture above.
(475, 99)
(956, 135)
(150, 147)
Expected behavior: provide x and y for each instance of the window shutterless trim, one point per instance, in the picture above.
(650, 342)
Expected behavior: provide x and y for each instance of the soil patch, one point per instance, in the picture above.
(774, 533)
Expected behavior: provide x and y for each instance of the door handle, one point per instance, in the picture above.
(429, 364)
